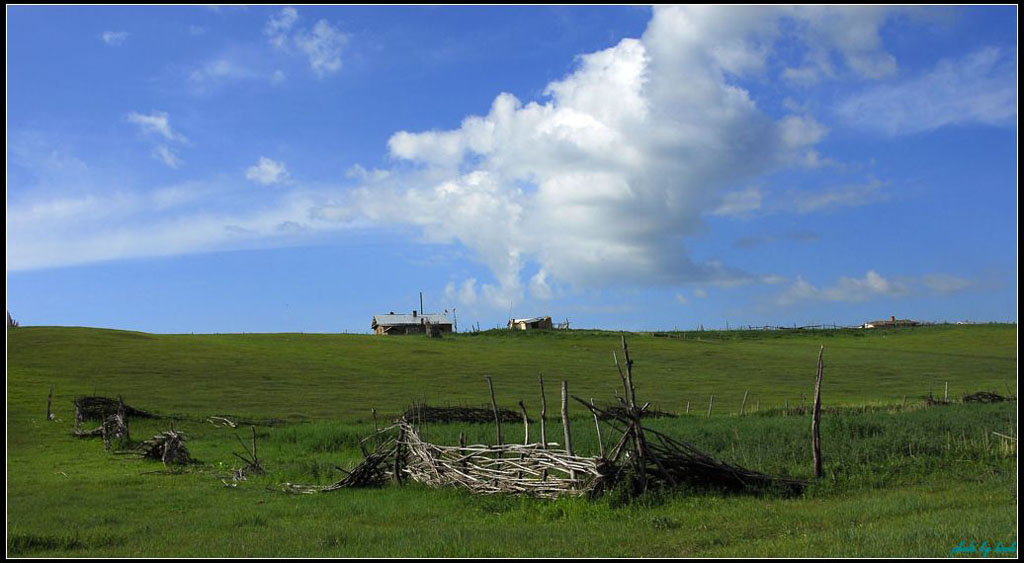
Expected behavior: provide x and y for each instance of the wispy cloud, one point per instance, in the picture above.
(114, 38)
(978, 88)
(159, 124)
(872, 286)
(321, 45)
(819, 199)
(267, 171)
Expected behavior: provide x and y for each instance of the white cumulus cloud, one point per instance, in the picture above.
(600, 181)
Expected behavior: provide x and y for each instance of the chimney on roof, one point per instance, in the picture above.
(414, 313)
(892, 318)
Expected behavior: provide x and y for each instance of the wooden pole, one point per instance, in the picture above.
(622, 376)
(543, 415)
(687, 407)
(494, 407)
(629, 373)
(816, 420)
(945, 395)
(597, 425)
(526, 424)
(743, 405)
(565, 424)
(565, 417)
(255, 459)
(49, 403)
(711, 402)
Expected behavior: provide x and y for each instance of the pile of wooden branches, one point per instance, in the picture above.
(529, 469)
(168, 447)
(984, 397)
(252, 464)
(642, 458)
(113, 426)
(667, 462)
(376, 469)
(98, 408)
(424, 413)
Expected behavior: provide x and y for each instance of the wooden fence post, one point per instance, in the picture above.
(526, 425)
(597, 425)
(711, 402)
(543, 415)
(816, 419)
(565, 417)
(494, 407)
(743, 405)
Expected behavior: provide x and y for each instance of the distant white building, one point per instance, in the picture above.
(530, 323)
(892, 322)
(410, 324)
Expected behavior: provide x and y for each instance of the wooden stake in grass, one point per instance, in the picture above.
(543, 415)
(49, 403)
(526, 425)
(711, 403)
(494, 407)
(597, 425)
(744, 403)
(565, 417)
(945, 395)
(565, 424)
(687, 407)
(816, 420)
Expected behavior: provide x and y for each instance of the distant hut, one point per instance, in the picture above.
(410, 324)
(891, 322)
(530, 323)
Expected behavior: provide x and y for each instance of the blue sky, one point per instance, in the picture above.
(265, 169)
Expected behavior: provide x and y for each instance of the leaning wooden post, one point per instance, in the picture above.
(597, 425)
(743, 405)
(255, 460)
(711, 403)
(49, 403)
(376, 428)
(526, 424)
(122, 415)
(687, 407)
(816, 420)
(543, 415)
(565, 424)
(494, 407)
(945, 395)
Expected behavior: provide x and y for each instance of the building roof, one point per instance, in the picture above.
(530, 320)
(394, 320)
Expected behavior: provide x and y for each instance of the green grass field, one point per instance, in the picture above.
(901, 480)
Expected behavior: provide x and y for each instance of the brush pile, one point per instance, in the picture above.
(984, 397)
(641, 460)
(99, 408)
(168, 447)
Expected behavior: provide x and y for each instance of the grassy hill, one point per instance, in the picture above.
(340, 377)
(901, 480)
